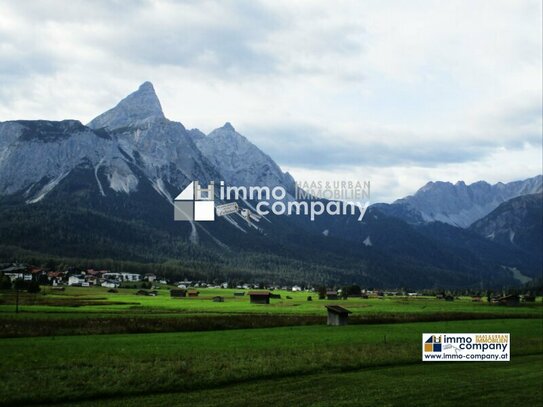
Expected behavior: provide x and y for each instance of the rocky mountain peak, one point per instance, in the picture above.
(139, 105)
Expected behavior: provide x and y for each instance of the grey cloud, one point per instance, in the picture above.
(310, 147)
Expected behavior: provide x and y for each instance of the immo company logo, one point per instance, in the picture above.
(433, 344)
(195, 203)
(450, 347)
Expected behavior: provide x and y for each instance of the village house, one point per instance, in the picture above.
(110, 284)
(184, 284)
(55, 277)
(150, 277)
(17, 271)
(337, 315)
(76, 280)
(130, 277)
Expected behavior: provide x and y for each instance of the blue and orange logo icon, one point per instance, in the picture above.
(433, 344)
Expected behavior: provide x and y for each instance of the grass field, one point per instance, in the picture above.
(101, 367)
(79, 301)
(405, 385)
(96, 311)
(295, 360)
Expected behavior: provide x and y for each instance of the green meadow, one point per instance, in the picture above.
(104, 367)
(89, 347)
(97, 300)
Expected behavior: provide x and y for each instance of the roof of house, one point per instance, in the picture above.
(14, 268)
(509, 297)
(262, 293)
(337, 309)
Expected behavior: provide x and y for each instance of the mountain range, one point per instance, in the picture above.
(103, 193)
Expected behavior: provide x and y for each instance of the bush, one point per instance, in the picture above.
(30, 286)
(33, 287)
(5, 283)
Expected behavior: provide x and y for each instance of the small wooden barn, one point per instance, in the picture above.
(193, 293)
(510, 300)
(331, 295)
(218, 299)
(337, 315)
(178, 293)
(259, 297)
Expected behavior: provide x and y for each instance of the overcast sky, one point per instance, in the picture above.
(395, 92)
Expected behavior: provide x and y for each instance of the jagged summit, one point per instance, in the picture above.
(228, 126)
(140, 105)
(460, 204)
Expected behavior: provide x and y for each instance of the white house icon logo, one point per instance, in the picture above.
(195, 203)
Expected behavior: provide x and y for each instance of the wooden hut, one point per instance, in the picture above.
(178, 293)
(331, 295)
(337, 315)
(510, 300)
(259, 297)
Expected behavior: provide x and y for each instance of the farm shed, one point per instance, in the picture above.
(337, 315)
(509, 300)
(259, 297)
(153, 293)
(218, 299)
(331, 295)
(178, 293)
(193, 293)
